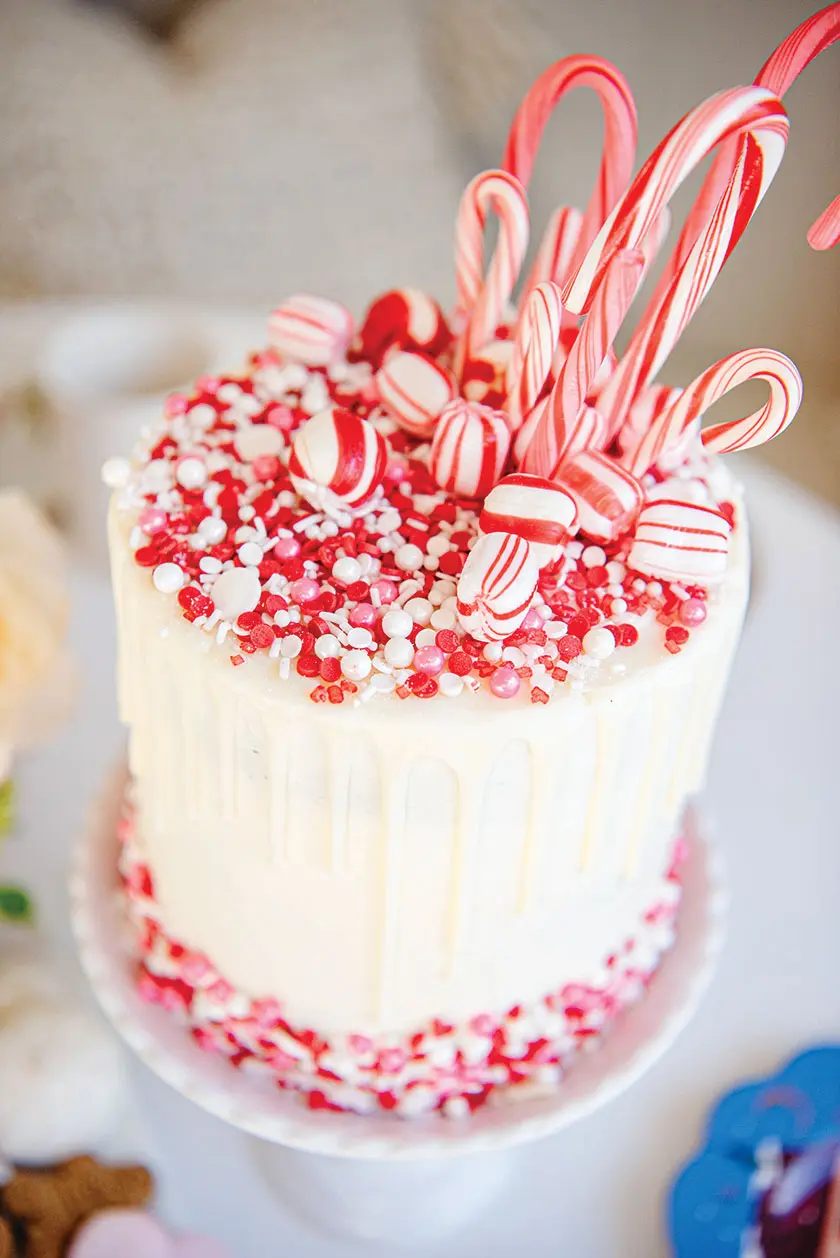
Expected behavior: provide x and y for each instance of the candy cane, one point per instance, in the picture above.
(680, 423)
(482, 298)
(559, 430)
(556, 252)
(761, 119)
(620, 133)
(533, 350)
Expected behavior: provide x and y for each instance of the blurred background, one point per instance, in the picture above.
(220, 154)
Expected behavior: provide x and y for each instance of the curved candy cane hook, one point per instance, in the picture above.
(536, 343)
(677, 426)
(619, 153)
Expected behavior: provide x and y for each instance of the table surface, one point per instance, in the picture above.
(596, 1189)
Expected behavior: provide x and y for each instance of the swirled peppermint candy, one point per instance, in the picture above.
(338, 460)
(534, 508)
(469, 449)
(311, 330)
(497, 586)
(681, 541)
(414, 389)
(404, 318)
(608, 497)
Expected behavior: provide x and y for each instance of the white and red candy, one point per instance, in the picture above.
(497, 586)
(338, 460)
(534, 508)
(414, 389)
(313, 330)
(681, 541)
(404, 318)
(484, 374)
(607, 496)
(469, 449)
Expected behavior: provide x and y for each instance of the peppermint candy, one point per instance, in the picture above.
(534, 508)
(405, 318)
(469, 449)
(338, 460)
(484, 374)
(414, 389)
(681, 541)
(608, 497)
(312, 330)
(497, 586)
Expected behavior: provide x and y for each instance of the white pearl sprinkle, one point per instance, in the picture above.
(555, 629)
(397, 623)
(212, 530)
(450, 685)
(389, 521)
(115, 473)
(618, 606)
(168, 578)
(399, 652)
(250, 554)
(209, 563)
(327, 646)
(347, 570)
(438, 545)
(382, 683)
(616, 570)
(443, 619)
(420, 610)
(493, 652)
(290, 647)
(593, 556)
(598, 643)
(409, 557)
(235, 591)
(191, 473)
(426, 637)
(356, 665)
(359, 637)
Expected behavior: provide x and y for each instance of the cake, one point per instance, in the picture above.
(424, 625)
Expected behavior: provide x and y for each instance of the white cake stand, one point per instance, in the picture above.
(383, 1178)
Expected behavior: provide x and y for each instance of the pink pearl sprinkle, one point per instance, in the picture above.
(287, 548)
(386, 591)
(504, 683)
(175, 404)
(305, 590)
(207, 384)
(266, 466)
(363, 616)
(693, 612)
(280, 417)
(533, 620)
(152, 520)
(429, 660)
(396, 472)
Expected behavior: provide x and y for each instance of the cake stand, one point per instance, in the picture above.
(382, 1178)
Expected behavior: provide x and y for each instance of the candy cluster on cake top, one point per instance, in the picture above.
(491, 500)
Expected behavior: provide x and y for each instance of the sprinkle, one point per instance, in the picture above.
(212, 530)
(168, 578)
(692, 612)
(346, 570)
(399, 652)
(599, 643)
(505, 683)
(593, 557)
(305, 590)
(360, 638)
(429, 660)
(356, 665)
(191, 472)
(290, 647)
(443, 619)
(209, 564)
(326, 646)
(287, 548)
(397, 623)
(116, 473)
(420, 610)
(451, 685)
(236, 591)
(409, 557)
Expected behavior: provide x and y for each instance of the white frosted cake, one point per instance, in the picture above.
(423, 631)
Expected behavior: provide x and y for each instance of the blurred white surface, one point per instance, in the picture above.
(595, 1190)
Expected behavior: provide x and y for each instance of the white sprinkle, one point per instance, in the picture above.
(438, 545)
(384, 546)
(512, 655)
(212, 530)
(654, 588)
(593, 556)
(555, 629)
(493, 652)
(616, 571)
(285, 668)
(574, 550)
(389, 521)
(456, 1107)
(450, 685)
(359, 637)
(431, 563)
(366, 563)
(356, 665)
(274, 649)
(290, 646)
(426, 637)
(222, 631)
(409, 557)
(598, 643)
(346, 570)
(639, 585)
(327, 646)
(191, 472)
(250, 553)
(375, 598)
(615, 590)
(618, 606)
(136, 538)
(282, 619)
(209, 563)
(399, 652)
(116, 473)
(247, 513)
(236, 590)
(419, 609)
(245, 533)
(397, 623)
(168, 578)
(680, 592)
(441, 619)
(382, 683)
(301, 525)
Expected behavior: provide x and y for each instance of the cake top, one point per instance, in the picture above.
(493, 499)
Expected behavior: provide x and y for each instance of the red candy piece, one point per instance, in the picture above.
(405, 318)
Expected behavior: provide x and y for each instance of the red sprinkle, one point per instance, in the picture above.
(569, 648)
(677, 634)
(330, 669)
(460, 663)
(447, 640)
(262, 636)
(308, 665)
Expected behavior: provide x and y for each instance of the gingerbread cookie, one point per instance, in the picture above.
(51, 1204)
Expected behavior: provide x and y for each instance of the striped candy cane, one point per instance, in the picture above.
(566, 423)
(665, 442)
(620, 133)
(482, 298)
(556, 252)
(533, 350)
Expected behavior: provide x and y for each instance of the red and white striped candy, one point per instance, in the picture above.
(532, 507)
(496, 586)
(619, 151)
(680, 541)
(665, 443)
(469, 449)
(607, 496)
(484, 374)
(553, 262)
(642, 415)
(534, 349)
(311, 330)
(405, 318)
(414, 389)
(338, 460)
(483, 298)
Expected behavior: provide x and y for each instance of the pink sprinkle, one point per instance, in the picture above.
(395, 472)
(693, 612)
(533, 620)
(305, 590)
(504, 683)
(221, 991)
(266, 466)
(483, 1024)
(430, 660)
(152, 520)
(267, 1011)
(175, 404)
(363, 616)
(360, 1043)
(385, 590)
(392, 1060)
(287, 548)
(280, 417)
(207, 384)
